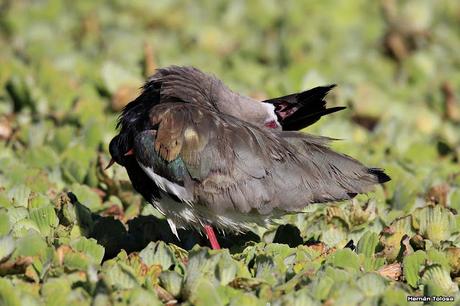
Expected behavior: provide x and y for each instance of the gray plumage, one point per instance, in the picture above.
(191, 85)
(206, 155)
(237, 170)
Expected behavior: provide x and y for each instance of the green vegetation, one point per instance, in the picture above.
(73, 234)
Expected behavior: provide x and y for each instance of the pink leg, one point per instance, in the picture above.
(212, 237)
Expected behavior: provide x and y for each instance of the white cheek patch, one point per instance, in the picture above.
(271, 116)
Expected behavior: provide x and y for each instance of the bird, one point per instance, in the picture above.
(209, 158)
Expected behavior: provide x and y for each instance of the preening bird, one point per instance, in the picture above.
(207, 157)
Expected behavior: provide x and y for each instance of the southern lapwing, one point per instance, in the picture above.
(207, 157)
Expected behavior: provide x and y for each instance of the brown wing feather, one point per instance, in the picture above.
(238, 167)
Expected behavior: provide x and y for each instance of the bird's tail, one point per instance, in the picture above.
(299, 110)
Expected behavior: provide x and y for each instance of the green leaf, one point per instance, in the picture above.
(7, 246)
(23, 227)
(266, 269)
(87, 197)
(201, 265)
(119, 276)
(371, 284)
(367, 244)
(366, 248)
(76, 261)
(453, 257)
(76, 161)
(19, 195)
(90, 247)
(298, 298)
(437, 281)
(172, 282)
(31, 244)
(19, 91)
(321, 287)
(141, 297)
(437, 257)
(8, 294)
(63, 137)
(392, 236)
(226, 269)
(246, 299)
(205, 293)
(16, 214)
(41, 157)
(56, 291)
(45, 218)
(435, 223)
(345, 258)
(5, 225)
(412, 265)
(157, 253)
(38, 201)
(394, 296)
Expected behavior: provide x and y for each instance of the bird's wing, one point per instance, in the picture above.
(299, 110)
(230, 165)
(189, 84)
(211, 158)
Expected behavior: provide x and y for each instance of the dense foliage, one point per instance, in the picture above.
(73, 234)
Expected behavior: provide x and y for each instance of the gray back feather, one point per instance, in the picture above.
(236, 166)
(188, 84)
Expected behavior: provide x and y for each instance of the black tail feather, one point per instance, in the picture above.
(299, 110)
(381, 176)
(303, 118)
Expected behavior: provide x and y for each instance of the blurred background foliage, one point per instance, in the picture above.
(71, 233)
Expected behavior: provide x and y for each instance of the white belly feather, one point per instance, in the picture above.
(186, 214)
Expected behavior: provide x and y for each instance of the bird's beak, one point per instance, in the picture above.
(111, 162)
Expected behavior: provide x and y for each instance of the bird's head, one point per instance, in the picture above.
(120, 149)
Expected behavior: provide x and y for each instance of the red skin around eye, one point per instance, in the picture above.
(130, 152)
